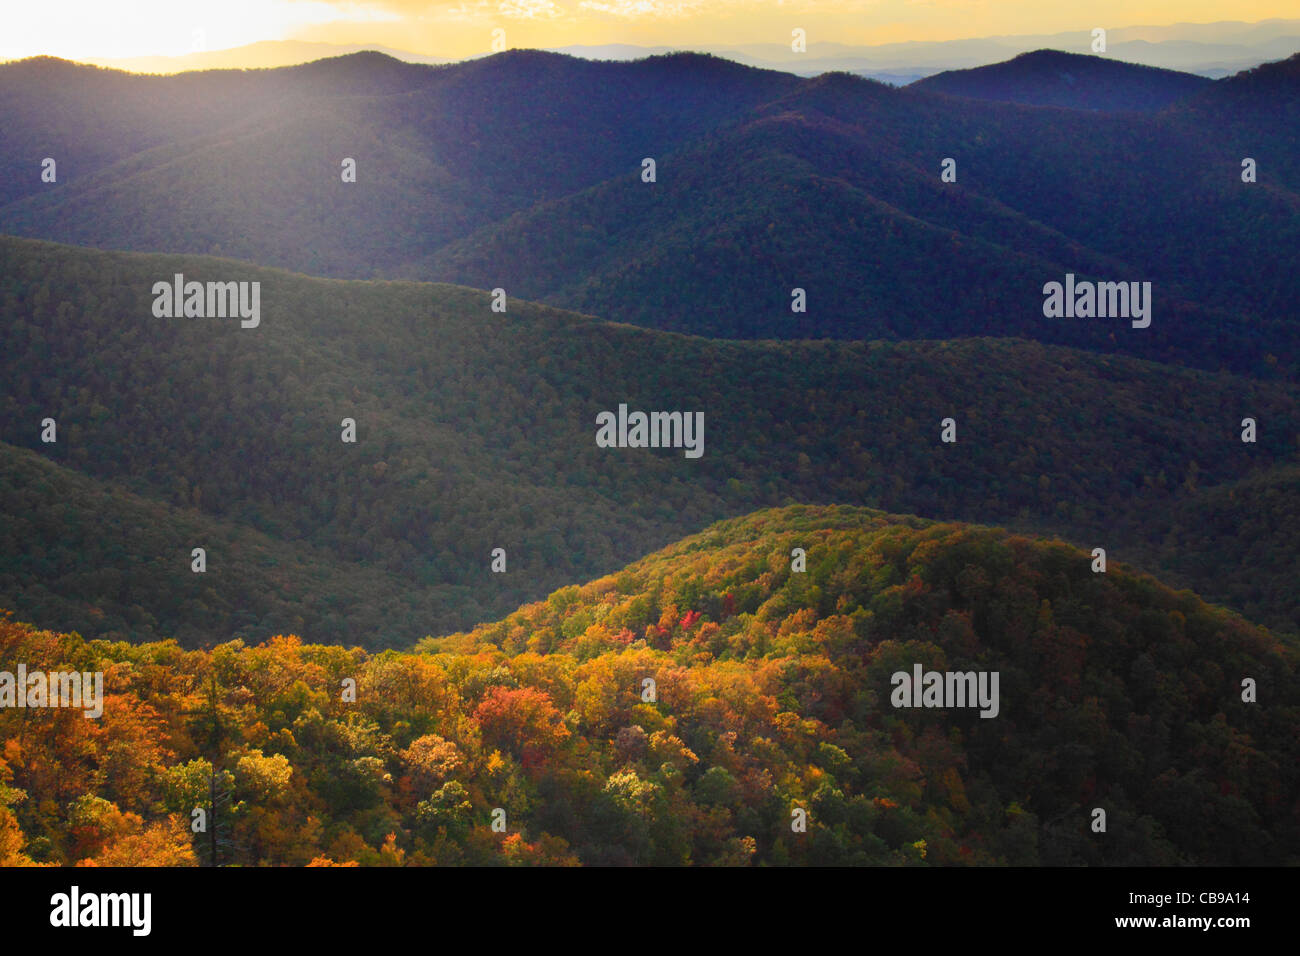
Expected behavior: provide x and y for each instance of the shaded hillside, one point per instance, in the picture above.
(1235, 539)
(476, 430)
(88, 118)
(257, 172)
(835, 190)
(102, 560)
(684, 710)
(1072, 80)
(1252, 113)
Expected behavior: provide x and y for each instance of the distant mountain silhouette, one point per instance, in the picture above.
(265, 54)
(1053, 78)
(1206, 49)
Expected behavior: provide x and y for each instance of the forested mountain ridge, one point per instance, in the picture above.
(248, 152)
(525, 171)
(1254, 107)
(687, 710)
(720, 242)
(1076, 81)
(476, 430)
(321, 524)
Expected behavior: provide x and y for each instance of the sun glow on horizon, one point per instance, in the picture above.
(96, 29)
(110, 29)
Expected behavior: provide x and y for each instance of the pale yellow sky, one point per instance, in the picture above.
(122, 28)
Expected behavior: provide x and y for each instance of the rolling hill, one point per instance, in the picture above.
(245, 155)
(476, 430)
(834, 189)
(765, 183)
(1071, 80)
(688, 710)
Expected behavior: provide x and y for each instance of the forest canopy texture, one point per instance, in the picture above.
(771, 695)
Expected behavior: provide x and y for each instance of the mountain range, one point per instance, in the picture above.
(1049, 78)
(764, 183)
(1208, 49)
(476, 430)
(362, 562)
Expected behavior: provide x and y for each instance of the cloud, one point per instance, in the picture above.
(530, 9)
(543, 9)
(468, 10)
(676, 9)
(473, 11)
(643, 8)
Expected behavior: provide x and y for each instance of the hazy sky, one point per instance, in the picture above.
(118, 28)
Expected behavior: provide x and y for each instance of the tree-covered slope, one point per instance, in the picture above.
(251, 164)
(1233, 539)
(688, 709)
(88, 119)
(99, 559)
(1251, 113)
(476, 430)
(835, 189)
(1071, 80)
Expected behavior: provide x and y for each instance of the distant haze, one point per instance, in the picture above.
(871, 35)
(1213, 49)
